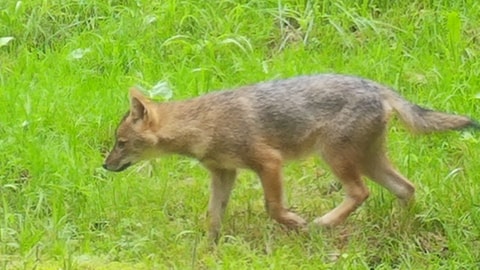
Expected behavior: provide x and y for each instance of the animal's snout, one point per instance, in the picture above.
(117, 168)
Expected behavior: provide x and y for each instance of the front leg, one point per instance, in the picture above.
(221, 188)
(269, 169)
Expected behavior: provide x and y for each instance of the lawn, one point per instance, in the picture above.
(65, 71)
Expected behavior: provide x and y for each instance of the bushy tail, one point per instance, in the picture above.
(423, 120)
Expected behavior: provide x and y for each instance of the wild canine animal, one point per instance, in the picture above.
(261, 126)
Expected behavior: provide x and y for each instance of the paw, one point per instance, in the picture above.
(213, 235)
(326, 221)
(408, 202)
(292, 221)
(214, 228)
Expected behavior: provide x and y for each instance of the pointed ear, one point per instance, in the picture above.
(138, 105)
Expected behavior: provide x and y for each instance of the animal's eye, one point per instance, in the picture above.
(121, 144)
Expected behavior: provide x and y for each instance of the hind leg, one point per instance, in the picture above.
(345, 167)
(379, 169)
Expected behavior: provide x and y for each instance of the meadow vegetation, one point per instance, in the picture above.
(65, 70)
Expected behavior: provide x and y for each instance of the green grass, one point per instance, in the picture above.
(63, 88)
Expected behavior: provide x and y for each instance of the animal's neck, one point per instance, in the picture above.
(179, 129)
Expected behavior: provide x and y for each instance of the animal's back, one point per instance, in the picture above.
(337, 105)
(297, 113)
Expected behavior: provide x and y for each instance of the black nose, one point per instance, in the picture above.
(105, 166)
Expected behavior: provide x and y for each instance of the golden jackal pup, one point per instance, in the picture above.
(260, 127)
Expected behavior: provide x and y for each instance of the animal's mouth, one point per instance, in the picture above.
(119, 169)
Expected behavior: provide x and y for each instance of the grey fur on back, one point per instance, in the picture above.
(341, 100)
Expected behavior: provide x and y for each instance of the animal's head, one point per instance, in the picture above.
(135, 136)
